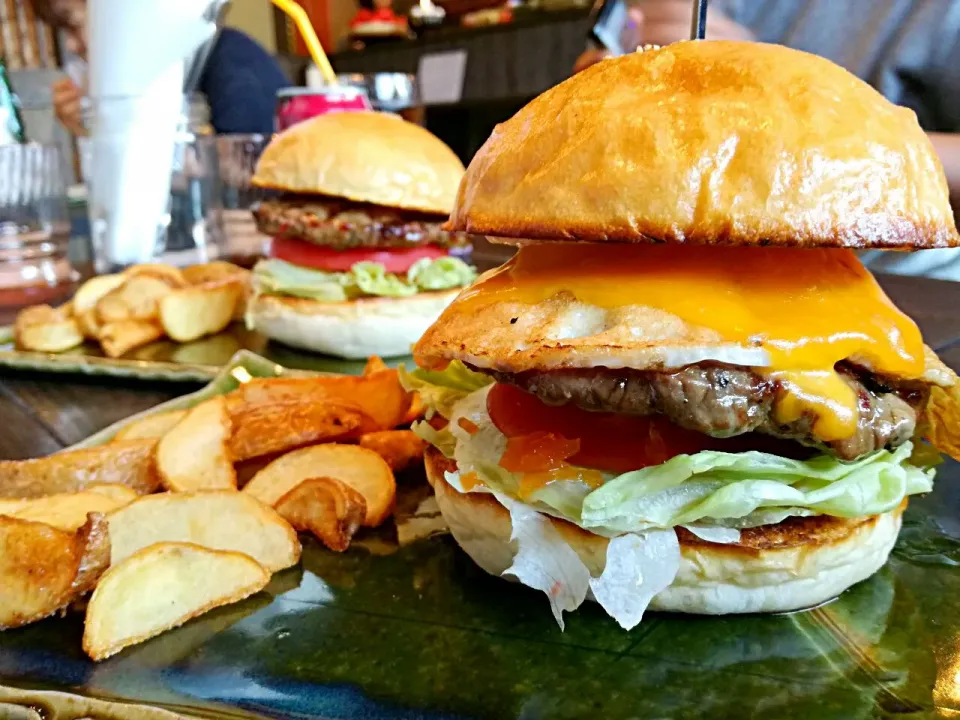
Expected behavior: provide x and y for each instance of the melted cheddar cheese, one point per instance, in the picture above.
(807, 308)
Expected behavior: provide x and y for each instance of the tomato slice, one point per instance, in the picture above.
(615, 442)
(608, 441)
(537, 452)
(394, 260)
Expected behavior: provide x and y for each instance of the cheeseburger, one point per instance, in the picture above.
(359, 264)
(684, 391)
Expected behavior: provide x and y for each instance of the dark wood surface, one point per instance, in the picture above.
(43, 413)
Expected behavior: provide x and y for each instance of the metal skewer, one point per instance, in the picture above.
(698, 23)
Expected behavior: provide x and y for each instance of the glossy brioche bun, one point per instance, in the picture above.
(711, 142)
(796, 564)
(368, 157)
(355, 329)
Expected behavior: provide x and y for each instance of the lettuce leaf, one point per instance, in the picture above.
(706, 490)
(440, 274)
(277, 277)
(440, 390)
(373, 279)
(716, 485)
(364, 279)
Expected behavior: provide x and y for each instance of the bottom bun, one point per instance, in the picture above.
(796, 564)
(354, 329)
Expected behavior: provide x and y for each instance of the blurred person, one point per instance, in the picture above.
(909, 51)
(240, 81)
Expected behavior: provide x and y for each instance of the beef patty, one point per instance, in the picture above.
(723, 401)
(342, 225)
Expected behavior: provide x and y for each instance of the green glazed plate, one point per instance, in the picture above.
(414, 630)
(197, 361)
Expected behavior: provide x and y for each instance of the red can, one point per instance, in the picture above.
(297, 104)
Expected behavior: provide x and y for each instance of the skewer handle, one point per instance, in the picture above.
(698, 22)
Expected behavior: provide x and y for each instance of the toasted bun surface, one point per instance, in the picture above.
(711, 142)
(797, 564)
(363, 156)
(355, 329)
(562, 332)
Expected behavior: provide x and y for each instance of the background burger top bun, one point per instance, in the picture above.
(366, 157)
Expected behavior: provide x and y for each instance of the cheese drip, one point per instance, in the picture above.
(807, 308)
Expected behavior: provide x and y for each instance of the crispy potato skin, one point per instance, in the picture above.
(129, 463)
(42, 569)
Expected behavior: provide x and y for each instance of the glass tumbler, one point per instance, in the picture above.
(391, 92)
(34, 226)
(154, 182)
(238, 156)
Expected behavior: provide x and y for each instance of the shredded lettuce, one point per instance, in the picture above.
(705, 490)
(279, 277)
(442, 440)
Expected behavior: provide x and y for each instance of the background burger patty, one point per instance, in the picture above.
(341, 224)
(723, 401)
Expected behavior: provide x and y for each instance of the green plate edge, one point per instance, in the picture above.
(243, 367)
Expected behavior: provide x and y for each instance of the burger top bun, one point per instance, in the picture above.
(369, 157)
(707, 142)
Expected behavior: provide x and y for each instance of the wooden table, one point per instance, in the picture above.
(43, 413)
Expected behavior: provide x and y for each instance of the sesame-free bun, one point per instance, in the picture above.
(367, 157)
(354, 329)
(799, 563)
(711, 142)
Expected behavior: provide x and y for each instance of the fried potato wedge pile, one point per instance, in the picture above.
(156, 522)
(144, 303)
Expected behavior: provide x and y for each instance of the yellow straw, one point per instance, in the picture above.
(300, 19)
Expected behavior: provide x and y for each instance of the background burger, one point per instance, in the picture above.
(359, 264)
(704, 403)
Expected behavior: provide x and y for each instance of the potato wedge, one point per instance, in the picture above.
(161, 587)
(374, 365)
(219, 520)
(360, 468)
(135, 299)
(216, 271)
(193, 312)
(329, 509)
(87, 296)
(194, 454)
(379, 395)
(68, 511)
(171, 275)
(416, 411)
(119, 338)
(129, 463)
(88, 324)
(400, 448)
(152, 426)
(267, 429)
(42, 328)
(43, 569)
